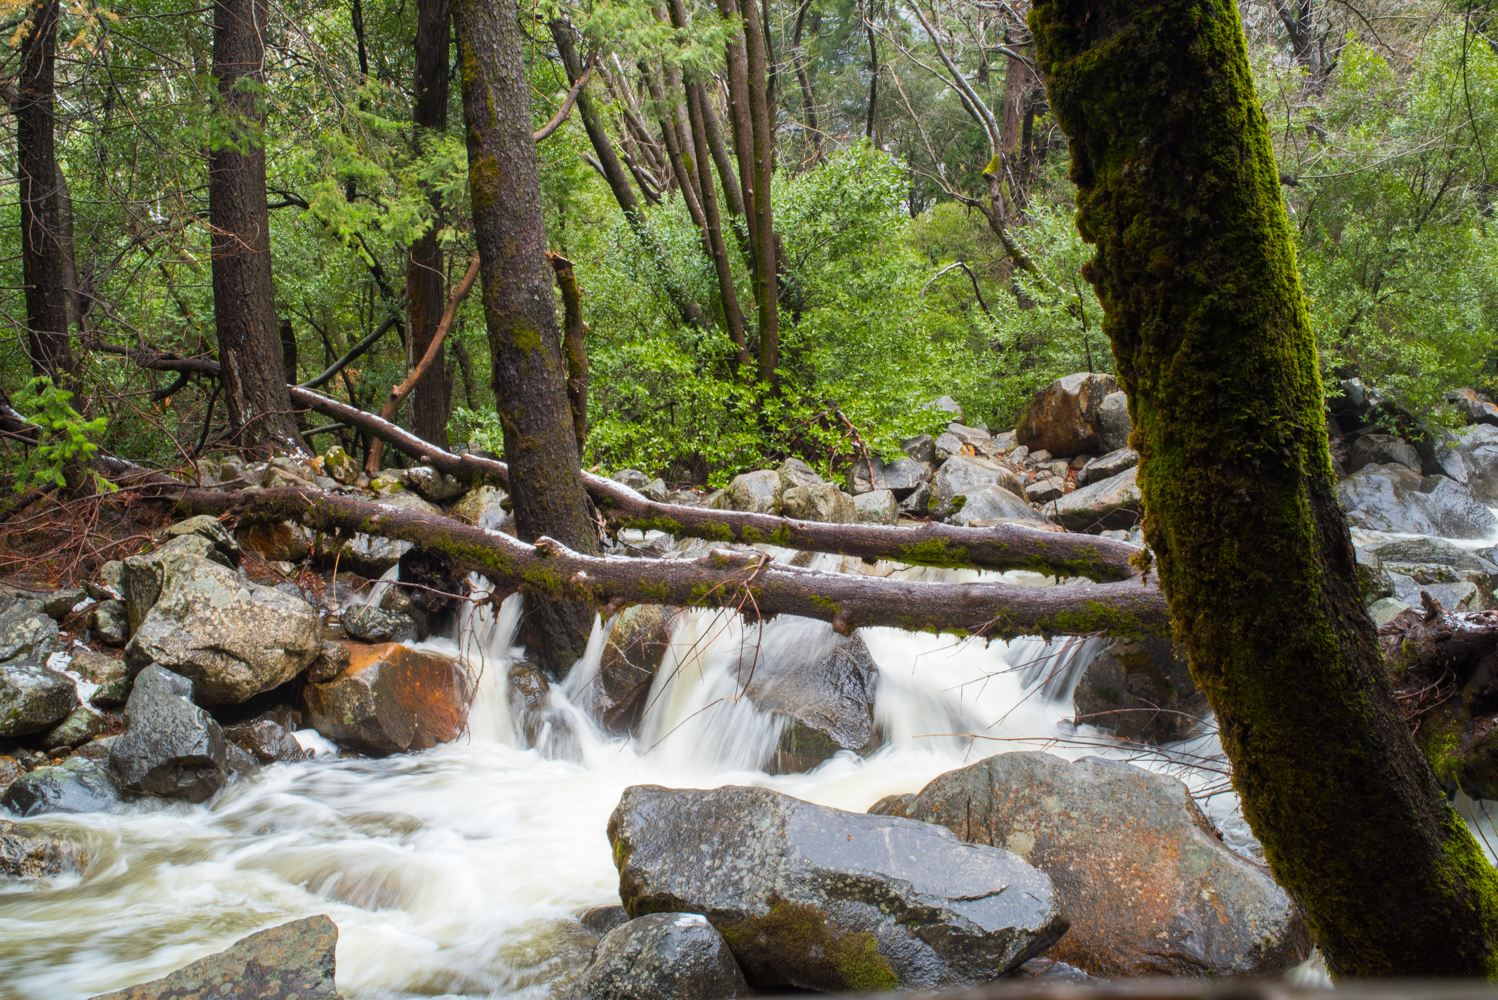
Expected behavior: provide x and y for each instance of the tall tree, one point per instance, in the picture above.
(424, 285)
(46, 228)
(530, 376)
(244, 297)
(1177, 187)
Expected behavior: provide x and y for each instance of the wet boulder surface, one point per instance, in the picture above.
(33, 698)
(28, 854)
(1393, 498)
(662, 956)
(824, 684)
(962, 475)
(1141, 689)
(391, 699)
(1149, 889)
(170, 747)
(1103, 504)
(617, 694)
(810, 897)
(77, 785)
(294, 961)
(1064, 418)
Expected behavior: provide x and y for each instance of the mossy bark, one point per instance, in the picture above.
(1177, 187)
(530, 377)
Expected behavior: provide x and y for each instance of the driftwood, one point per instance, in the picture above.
(1429, 640)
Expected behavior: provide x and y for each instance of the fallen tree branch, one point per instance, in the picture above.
(1428, 639)
(720, 579)
(352, 355)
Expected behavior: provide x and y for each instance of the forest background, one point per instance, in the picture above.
(923, 242)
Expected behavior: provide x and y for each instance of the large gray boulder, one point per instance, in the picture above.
(1393, 498)
(878, 507)
(482, 507)
(33, 698)
(1109, 504)
(232, 638)
(824, 684)
(663, 956)
(367, 623)
(822, 502)
(961, 474)
(1459, 579)
(1382, 449)
(1113, 423)
(77, 785)
(1141, 689)
(1063, 418)
(754, 492)
(170, 747)
(904, 476)
(1149, 890)
(1478, 448)
(794, 472)
(145, 577)
(986, 506)
(810, 897)
(865, 475)
(1107, 466)
(294, 961)
(26, 632)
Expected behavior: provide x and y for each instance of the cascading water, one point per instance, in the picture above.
(459, 871)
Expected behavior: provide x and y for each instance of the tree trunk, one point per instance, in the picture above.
(761, 118)
(431, 399)
(1177, 187)
(574, 346)
(530, 380)
(1019, 83)
(808, 102)
(244, 297)
(46, 244)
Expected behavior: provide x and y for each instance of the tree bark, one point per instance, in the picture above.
(574, 346)
(808, 102)
(244, 296)
(519, 310)
(431, 402)
(1178, 189)
(761, 118)
(46, 243)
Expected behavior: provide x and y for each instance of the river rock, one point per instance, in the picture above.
(33, 698)
(281, 541)
(266, 740)
(433, 485)
(1107, 466)
(1149, 890)
(618, 693)
(60, 603)
(1142, 690)
(977, 439)
(823, 502)
(170, 747)
(1374, 582)
(878, 507)
(1382, 449)
(96, 668)
(918, 503)
(482, 507)
(26, 632)
(986, 506)
(754, 492)
(545, 727)
(110, 621)
(111, 694)
(865, 475)
(372, 555)
(10, 772)
(1045, 490)
(1478, 448)
(824, 683)
(922, 448)
(294, 961)
(1063, 418)
(366, 623)
(78, 728)
(1459, 579)
(904, 476)
(146, 576)
(391, 699)
(794, 472)
(946, 445)
(26, 853)
(233, 639)
(1473, 405)
(809, 897)
(77, 785)
(1393, 498)
(1113, 423)
(1111, 504)
(961, 474)
(662, 956)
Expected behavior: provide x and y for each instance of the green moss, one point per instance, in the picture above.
(935, 552)
(795, 940)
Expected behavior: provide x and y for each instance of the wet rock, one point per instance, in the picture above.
(294, 961)
(10, 771)
(809, 897)
(28, 854)
(482, 507)
(878, 507)
(146, 576)
(60, 603)
(1046, 490)
(96, 750)
(1454, 576)
(865, 475)
(283, 541)
(1149, 889)
(602, 919)
(1063, 418)
(428, 583)
(1113, 423)
(110, 621)
(170, 747)
(1112, 503)
(33, 698)
(26, 631)
(986, 506)
(918, 503)
(77, 785)
(633, 478)
(1478, 448)
(823, 502)
(794, 472)
(754, 492)
(1393, 498)
(617, 694)
(332, 661)
(1142, 690)
(1373, 580)
(367, 623)
(1382, 449)
(433, 485)
(544, 726)
(892, 805)
(266, 740)
(1453, 595)
(391, 699)
(824, 683)
(922, 448)
(1107, 466)
(961, 475)
(904, 476)
(240, 763)
(233, 639)
(210, 530)
(663, 956)
(1477, 408)
(111, 694)
(372, 555)
(78, 728)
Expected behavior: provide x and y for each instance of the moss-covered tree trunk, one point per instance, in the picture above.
(530, 377)
(1177, 187)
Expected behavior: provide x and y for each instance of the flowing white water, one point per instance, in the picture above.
(459, 871)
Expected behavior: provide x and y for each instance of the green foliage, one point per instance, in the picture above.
(66, 437)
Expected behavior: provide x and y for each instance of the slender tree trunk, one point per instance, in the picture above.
(530, 378)
(244, 297)
(808, 103)
(425, 300)
(46, 238)
(868, 27)
(1019, 84)
(1177, 187)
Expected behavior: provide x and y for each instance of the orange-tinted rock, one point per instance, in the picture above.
(1064, 417)
(391, 699)
(284, 541)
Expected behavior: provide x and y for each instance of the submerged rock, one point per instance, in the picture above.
(266, 740)
(170, 747)
(1112, 503)
(294, 961)
(617, 694)
(542, 725)
(33, 698)
(1393, 498)
(1064, 417)
(663, 956)
(28, 854)
(825, 684)
(602, 919)
(1141, 689)
(77, 785)
(391, 699)
(1149, 890)
(810, 897)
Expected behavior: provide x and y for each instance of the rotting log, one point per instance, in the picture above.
(747, 581)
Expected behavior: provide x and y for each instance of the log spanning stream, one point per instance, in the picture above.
(459, 871)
